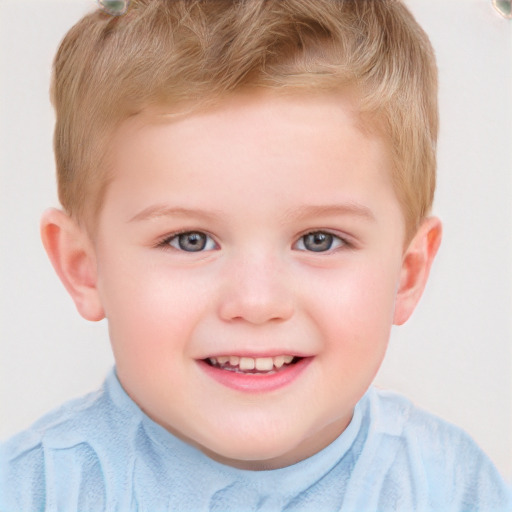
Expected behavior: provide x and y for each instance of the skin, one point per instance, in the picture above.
(256, 174)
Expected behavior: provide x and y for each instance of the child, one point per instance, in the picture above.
(246, 189)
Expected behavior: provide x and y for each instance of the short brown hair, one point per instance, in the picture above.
(193, 51)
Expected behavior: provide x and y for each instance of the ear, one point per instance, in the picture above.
(72, 255)
(416, 263)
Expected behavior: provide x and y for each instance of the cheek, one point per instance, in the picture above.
(355, 307)
(151, 312)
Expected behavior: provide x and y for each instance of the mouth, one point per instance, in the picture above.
(255, 374)
(253, 365)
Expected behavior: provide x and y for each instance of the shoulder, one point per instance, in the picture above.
(437, 459)
(58, 428)
(394, 414)
(57, 450)
(431, 436)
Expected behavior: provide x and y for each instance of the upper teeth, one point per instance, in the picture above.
(251, 363)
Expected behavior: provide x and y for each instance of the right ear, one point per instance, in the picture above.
(72, 255)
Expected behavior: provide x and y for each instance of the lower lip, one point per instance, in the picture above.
(257, 382)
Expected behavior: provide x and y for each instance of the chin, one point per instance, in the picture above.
(252, 459)
(257, 451)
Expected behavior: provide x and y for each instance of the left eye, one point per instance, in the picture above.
(191, 241)
(319, 241)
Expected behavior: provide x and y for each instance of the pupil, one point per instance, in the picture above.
(318, 241)
(192, 241)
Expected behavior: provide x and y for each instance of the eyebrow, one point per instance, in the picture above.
(297, 213)
(162, 210)
(349, 208)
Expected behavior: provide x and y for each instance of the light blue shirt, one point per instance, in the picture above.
(101, 452)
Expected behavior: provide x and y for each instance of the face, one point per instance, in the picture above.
(248, 259)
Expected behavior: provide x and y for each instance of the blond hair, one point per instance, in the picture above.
(171, 52)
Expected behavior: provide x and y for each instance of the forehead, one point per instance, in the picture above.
(266, 117)
(258, 105)
(296, 147)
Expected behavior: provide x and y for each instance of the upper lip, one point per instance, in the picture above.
(255, 355)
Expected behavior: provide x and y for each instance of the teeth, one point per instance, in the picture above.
(279, 361)
(247, 363)
(262, 364)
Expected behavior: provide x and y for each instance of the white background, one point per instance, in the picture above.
(454, 357)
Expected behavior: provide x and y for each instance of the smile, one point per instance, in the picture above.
(255, 374)
(252, 364)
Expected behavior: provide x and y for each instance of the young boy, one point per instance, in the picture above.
(246, 189)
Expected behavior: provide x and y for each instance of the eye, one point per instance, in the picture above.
(191, 241)
(319, 241)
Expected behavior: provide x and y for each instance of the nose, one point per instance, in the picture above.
(257, 289)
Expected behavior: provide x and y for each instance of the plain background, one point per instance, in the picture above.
(454, 357)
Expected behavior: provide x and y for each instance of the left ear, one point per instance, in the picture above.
(416, 265)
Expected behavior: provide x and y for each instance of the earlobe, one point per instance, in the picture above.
(416, 264)
(72, 256)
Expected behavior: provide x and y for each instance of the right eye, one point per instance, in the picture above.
(191, 241)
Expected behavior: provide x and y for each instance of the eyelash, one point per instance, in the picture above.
(342, 242)
(166, 242)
